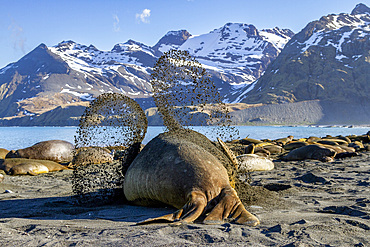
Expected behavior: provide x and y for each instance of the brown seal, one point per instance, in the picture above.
(294, 145)
(55, 150)
(260, 151)
(274, 149)
(20, 166)
(173, 169)
(247, 141)
(313, 151)
(284, 141)
(93, 155)
(249, 149)
(3, 153)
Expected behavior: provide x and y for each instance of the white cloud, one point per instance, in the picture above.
(144, 16)
(17, 37)
(116, 27)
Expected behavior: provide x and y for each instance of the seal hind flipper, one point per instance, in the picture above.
(165, 218)
(187, 214)
(230, 206)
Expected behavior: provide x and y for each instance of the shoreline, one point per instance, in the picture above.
(310, 203)
(21, 137)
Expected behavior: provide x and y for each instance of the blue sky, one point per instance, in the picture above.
(24, 24)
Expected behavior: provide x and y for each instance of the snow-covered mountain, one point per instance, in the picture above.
(238, 49)
(71, 74)
(328, 60)
(172, 40)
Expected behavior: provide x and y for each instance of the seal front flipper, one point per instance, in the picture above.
(187, 214)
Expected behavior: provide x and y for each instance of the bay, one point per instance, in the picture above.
(21, 137)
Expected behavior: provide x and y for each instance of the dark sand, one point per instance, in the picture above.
(310, 203)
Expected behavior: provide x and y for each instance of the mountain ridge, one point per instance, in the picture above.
(326, 65)
(327, 60)
(72, 73)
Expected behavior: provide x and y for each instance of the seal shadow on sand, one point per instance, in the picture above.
(65, 208)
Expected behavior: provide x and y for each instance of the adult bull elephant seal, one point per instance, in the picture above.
(173, 169)
(54, 150)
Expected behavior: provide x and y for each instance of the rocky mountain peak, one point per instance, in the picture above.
(283, 33)
(172, 40)
(326, 60)
(232, 29)
(360, 9)
(65, 45)
(179, 36)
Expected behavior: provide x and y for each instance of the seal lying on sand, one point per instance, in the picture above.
(253, 162)
(247, 162)
(179, 168)
(20, 166)
(93, 155)
(313, 151)
(55, 150)
(3, 153)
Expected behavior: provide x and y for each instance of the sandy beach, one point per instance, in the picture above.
(306, 203)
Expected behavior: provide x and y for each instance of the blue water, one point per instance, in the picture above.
(21, 137)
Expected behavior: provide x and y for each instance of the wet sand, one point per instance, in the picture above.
(311, 203)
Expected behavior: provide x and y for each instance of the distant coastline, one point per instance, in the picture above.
(16, 137)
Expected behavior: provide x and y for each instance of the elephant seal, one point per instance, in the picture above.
(252, 149)
(247, 141)
(248, 162)
(313, 151)
(284, 141)
(313, 139)
(3, 153)
(21, 166)
(294, 145)
(28, 169)
(328, 142)
(356, 145)
(181, 168)
(54, 150)
(274, 149)
(260, 151)
(94, 155)
(337, 140)
(344, 138)
(253, 162)
(249, 149)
